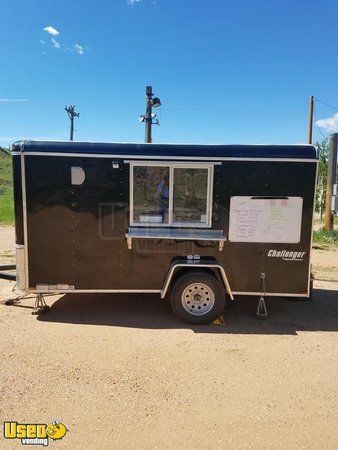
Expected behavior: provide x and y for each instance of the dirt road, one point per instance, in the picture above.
(123, 372)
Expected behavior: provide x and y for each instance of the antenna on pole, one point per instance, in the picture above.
(71, 113)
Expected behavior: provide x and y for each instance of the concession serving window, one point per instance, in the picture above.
(172, 200)
(171, 194)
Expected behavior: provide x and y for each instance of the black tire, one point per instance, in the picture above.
(208, 287)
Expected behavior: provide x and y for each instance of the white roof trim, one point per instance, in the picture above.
(165, 158)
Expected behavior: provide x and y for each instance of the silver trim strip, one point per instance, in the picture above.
(154, 157)
(270, 294)
(20, 267)
(24, 210)
(216, 266)
(156, 291)
(177, 163)
(23, 141)
(210, 194)
(154, 234)
(313, 222)
(172, 225)
(94, 291)
(171, 194)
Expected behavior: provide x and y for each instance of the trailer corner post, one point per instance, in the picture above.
(331, 180)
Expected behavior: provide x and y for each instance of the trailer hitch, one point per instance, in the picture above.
(7, 276)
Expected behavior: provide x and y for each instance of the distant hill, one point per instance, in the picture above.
(6, 188)
(5, 150)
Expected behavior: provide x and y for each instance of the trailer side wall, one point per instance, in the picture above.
(76, 233)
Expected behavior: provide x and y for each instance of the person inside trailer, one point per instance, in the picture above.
(163, 193)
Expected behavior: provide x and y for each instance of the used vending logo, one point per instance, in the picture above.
(34, 433)
(286, 255)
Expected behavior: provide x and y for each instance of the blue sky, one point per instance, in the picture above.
(226, 71)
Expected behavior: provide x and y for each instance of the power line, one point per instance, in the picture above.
(241, 110)
(327, 104)
(316, 120)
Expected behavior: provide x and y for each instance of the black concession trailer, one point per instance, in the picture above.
(193, 223)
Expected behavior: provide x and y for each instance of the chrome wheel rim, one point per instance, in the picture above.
(198, 299)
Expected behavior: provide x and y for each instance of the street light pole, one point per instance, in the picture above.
(149, 118)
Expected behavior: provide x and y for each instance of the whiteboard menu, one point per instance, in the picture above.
(257, 219)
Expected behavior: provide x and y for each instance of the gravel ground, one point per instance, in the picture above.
(122, 372)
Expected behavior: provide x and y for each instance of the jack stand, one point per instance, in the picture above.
(262, 312)
(40, 305)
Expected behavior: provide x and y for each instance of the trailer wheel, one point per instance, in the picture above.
(197, 297)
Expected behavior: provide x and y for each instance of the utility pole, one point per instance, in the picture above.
(71, 113)
(331, 182)
(149, 118)
(310, 128)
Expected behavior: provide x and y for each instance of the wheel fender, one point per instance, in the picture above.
(210, 264)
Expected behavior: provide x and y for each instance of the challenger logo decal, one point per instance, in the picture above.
(287, 255)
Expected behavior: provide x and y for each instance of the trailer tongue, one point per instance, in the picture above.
(7, 276)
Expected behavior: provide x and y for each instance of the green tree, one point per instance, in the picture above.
(323, 156)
